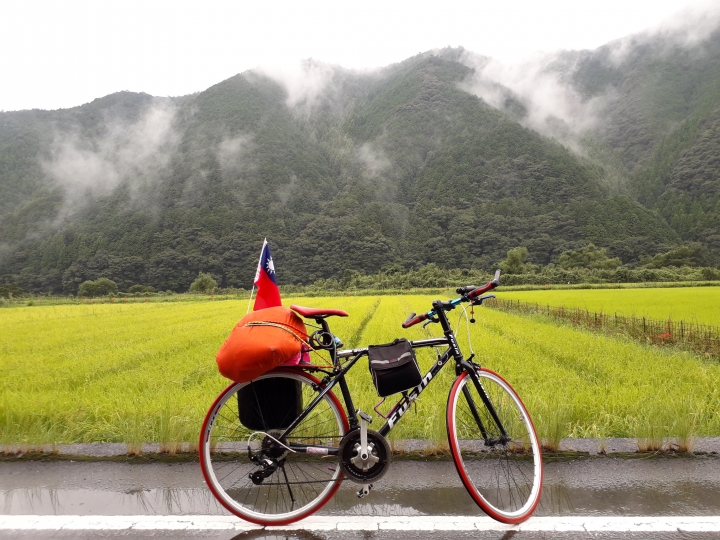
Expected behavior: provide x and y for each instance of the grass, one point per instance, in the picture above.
(145, 372)
(699, 305)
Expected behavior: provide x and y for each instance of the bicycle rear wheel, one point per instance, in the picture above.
(298, 484)
(502, 473)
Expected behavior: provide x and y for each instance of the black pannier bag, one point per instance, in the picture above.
(271, 403)
(393, 367)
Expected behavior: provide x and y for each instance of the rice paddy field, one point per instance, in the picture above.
(146, 372)
(699, 305)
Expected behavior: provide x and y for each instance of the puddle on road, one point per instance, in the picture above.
(107, 503)
(665, 486)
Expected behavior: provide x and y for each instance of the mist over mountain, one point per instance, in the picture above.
(448, 158)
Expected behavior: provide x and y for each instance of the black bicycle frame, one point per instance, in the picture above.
(402, 406)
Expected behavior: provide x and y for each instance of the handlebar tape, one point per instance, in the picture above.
(482, 290)
(490, 285)
(414, 319)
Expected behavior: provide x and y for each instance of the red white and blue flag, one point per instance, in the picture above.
(268, 294)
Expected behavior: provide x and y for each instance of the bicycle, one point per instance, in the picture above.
(279, 464)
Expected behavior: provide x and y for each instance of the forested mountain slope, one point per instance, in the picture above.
(662, 95)
(401, 166)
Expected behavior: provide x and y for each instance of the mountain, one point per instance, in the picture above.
(348, 171)
(662, 124)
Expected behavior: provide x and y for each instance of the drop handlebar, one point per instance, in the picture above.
(468, 293)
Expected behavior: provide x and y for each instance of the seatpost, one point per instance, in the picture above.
(323, 324)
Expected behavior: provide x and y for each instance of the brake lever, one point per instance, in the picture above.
(479, 301)
(431, 320)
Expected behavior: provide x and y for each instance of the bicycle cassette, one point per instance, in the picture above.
(361, 470)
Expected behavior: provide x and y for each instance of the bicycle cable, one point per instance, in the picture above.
(271, 437)
(467, 328)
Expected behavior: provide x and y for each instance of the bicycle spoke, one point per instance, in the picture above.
(502, 475)
(300, 482)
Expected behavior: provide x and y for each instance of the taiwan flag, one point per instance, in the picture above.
(268, 294)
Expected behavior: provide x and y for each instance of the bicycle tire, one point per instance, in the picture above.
(302, 486)
(504, 478)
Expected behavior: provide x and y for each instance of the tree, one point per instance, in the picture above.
(514, 263)
(105, 286)
(9, 290)
(99, 287)
(692, 255)
(140, 289)
(588, 257)
(203, 284)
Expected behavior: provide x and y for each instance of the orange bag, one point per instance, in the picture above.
(261, 341)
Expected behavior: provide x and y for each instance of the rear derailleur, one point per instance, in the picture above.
(269, 458)
(267, 467)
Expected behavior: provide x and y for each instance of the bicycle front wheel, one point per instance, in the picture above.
(494, 446)
(278, 486)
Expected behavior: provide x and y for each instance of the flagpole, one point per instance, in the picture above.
(256, 276)
(250, 301)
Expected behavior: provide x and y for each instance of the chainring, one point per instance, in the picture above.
(352, 464)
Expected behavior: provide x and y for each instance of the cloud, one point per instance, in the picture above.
(687, 29)
(542, 83)
(552, 107)
(373, 160)
(285, 192)
(232, 155)
(692, 25)
(304, 83)
(127, 152)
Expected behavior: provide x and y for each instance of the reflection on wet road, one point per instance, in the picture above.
(657, 486)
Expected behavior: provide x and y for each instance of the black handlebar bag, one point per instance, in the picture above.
(393, 367)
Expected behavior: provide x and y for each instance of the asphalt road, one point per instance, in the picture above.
(597, 497)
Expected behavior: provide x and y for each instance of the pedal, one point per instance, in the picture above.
(364, 490)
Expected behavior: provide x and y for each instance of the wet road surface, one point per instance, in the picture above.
(592, 487)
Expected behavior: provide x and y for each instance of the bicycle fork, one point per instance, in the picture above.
(503, 438)
(467, 365)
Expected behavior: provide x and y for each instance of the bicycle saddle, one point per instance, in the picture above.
(317, 313)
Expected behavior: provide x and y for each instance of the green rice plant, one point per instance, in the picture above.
(118, 373)
(11, 422)
(26, 430)
(553, 423)
(602, 446)
(609, 381)
(685, 425)
(169, 428)
(650, 432)
(698, 305)
(132, 432)
(145, 372)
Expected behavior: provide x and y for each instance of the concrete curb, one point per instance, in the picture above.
(704, 445)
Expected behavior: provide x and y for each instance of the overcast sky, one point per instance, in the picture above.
(63, 53)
